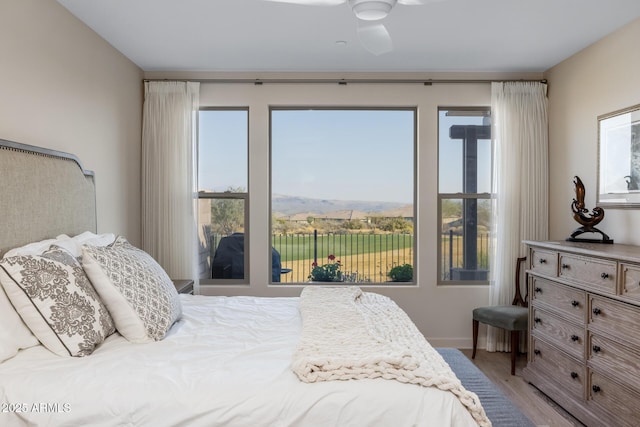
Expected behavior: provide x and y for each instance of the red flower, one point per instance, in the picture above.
(332, 257)
(314, 264)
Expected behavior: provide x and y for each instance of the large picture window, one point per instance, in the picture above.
(223, 195)
(464, 187)
(343, 194)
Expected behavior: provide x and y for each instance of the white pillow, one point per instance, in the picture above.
(138, 293)
(36, 248)
(14, 334)
(74, 244)
(56, 301)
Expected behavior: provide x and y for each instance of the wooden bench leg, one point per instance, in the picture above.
(475, 338)
(515, 343)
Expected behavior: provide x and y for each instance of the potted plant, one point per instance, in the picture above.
(329, 272)
(401, 273)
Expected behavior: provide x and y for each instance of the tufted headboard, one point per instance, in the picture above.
(43, 193)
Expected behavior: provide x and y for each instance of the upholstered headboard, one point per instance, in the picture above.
(43, 193)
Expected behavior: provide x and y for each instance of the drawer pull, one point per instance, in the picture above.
(565, 266)
(574, 338)
(596, 311)
(596, 349)
(537, 320)
(574, 375)
(605, 275)
(536, 351)
(543, 261)
(596, 389)
(538, 290)
(575, 303)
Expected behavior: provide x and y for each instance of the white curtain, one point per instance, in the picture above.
(168, 175)
(520, 186)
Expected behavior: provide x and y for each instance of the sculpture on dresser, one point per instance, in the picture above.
(586, 219)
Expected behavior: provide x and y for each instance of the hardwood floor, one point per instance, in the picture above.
(536, 406)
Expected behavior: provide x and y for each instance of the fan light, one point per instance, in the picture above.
(371, 10)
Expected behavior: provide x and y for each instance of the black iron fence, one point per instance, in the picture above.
(458, 265)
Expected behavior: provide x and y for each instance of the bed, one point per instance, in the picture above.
(195, 360)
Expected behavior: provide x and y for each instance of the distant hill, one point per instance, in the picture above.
(290, 205)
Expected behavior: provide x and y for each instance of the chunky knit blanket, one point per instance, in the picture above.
(349, 334)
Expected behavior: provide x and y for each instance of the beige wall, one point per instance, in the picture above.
(63, 87)
(602, 78)
(427, 303)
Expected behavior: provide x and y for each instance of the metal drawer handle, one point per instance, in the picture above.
(596, 311)
(574, 375)
(537, 320)
(574, 338)
(595, 388)
(605, 275)
(538, 290)
(575, 303)
(536, 351)
(596, 349)
(543, 261)
(565, 266)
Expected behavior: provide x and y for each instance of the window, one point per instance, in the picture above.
(343, 190)
(223, 196)
(464, 186)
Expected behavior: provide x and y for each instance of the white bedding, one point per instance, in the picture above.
(227, 362)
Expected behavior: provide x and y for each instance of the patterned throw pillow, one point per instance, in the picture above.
(136, 290)
(56, 301)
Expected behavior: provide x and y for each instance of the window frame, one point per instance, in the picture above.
(415, 182)
(227, 195)
(449, 196)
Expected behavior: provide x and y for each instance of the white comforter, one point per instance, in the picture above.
(227, 362)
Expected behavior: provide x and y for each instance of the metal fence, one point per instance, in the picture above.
(363, 257)
(456, 265)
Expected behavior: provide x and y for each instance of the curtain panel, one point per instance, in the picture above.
(520, 208)
(168, 175)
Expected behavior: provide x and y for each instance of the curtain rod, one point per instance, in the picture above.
(425, 82)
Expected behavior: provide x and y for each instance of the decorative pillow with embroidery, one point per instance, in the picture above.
(137, 291)
(55, 299)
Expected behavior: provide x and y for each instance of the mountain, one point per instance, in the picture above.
(289, 205)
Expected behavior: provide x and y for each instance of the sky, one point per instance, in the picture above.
(332, 154)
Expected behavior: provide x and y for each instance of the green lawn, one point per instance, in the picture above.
(301, 247)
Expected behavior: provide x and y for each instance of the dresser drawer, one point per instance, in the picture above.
(630, 283)
(559, 368)
(544, 262)
(569, 301)
(617, 360)
(614, 319)
(621, 402)
(568, 336)
(595, 273)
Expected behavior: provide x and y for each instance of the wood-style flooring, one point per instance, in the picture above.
(536, 406)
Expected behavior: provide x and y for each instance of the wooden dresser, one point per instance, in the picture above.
(584, 329)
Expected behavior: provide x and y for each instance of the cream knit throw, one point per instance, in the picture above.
(348, 334)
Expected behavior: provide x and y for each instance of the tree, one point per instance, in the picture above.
(227, 215)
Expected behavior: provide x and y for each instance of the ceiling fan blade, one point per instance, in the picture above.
(375, 38)
(311, 2)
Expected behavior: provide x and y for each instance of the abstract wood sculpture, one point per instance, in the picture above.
(586, 219)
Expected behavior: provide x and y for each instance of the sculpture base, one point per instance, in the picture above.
(585, 229)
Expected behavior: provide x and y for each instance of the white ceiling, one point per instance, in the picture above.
(261, 35)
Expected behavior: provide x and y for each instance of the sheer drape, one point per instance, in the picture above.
(520, 185)
(168, 183)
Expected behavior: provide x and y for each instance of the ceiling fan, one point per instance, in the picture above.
(374, 37)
